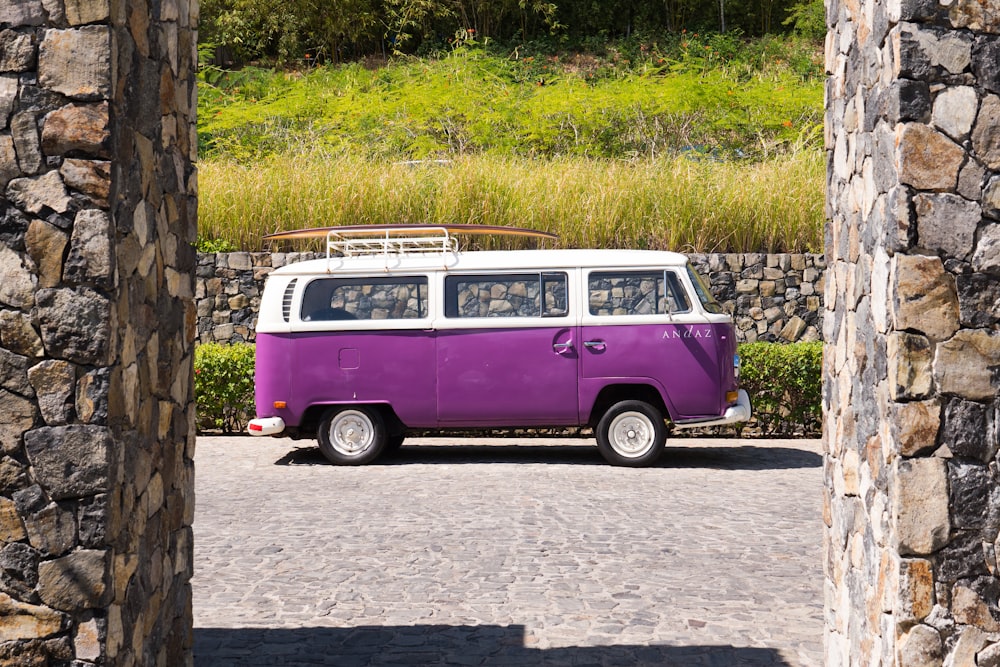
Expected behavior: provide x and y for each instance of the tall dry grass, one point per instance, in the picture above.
(677, 203)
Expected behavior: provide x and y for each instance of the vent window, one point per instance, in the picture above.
(286, 300)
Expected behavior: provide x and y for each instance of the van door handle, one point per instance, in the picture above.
(563, 346)
(599, 344)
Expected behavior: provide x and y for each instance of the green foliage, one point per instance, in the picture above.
(287, 31)
(785, 384)
(296, 32)
(705, 142)
(212, 245)
(808, 19)
(223, 385)
(718, 93)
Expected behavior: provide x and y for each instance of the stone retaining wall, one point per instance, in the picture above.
(772, 297)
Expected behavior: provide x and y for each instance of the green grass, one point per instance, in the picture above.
(668, 203)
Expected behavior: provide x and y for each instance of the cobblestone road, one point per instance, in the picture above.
(528, 552)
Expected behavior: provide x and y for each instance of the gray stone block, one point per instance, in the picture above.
(62, 313)
(974, 496)
(979, 299)
(75, 582)
(986, 134)
(908, 100)
(18, 13)
(986, 61)
(17, 51)
(19, 570)
(76, 62)
(946, 224)
(964, 430)
(70, 461)
(90, 259)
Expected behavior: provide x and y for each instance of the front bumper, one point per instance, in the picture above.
(266, 426)
(739, 412)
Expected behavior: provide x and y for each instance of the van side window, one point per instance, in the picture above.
(636, 293)
(506, 295)
(396, 298)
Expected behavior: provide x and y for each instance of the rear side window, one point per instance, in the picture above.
(506, 295)
(636, 293)
(396, 298)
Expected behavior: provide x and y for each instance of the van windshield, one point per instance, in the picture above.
(708, 301)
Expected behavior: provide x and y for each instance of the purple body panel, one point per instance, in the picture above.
(495, 377)
(685, 362)
(273, 374)
(394, 367)
(507, 377)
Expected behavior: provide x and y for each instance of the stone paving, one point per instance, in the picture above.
(524, 552)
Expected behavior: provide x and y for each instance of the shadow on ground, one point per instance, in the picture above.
(444, 645)
(746, 457)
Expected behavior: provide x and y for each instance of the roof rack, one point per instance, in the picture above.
(396, 240)
(389, 240)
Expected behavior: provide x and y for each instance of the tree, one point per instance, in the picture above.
(808, 18)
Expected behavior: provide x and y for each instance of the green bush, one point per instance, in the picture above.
(212, 245)
(785, 383)
(223, 385)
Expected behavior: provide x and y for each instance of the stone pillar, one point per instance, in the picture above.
(97, 222)
(912, 364)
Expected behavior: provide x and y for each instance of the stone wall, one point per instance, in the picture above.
(912, 504)
(772, 297)
(97, 323)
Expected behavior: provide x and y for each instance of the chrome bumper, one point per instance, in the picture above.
(740, 412)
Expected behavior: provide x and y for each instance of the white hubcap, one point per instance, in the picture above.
(631, 434)
(351, 433)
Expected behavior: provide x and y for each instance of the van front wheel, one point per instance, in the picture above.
(352, 436)
(631, 433)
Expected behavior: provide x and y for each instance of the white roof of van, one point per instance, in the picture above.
(482, 260)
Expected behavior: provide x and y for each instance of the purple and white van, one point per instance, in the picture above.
(357, 351)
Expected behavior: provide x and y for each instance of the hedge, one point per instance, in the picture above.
(223, 386)
(784, 382)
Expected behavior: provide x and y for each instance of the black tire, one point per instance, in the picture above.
(352, 435)
(632, 434)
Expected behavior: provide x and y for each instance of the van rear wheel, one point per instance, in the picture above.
(353, 435)
(631, 433)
